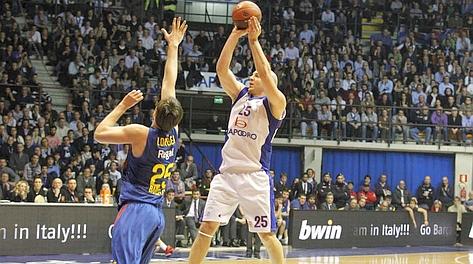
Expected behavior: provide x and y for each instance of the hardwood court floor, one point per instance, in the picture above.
(381, 255)
(418, 255)
(421, 258)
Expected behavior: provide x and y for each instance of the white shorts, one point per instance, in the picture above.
(252, 191)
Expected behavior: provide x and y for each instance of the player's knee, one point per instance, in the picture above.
(209, 228)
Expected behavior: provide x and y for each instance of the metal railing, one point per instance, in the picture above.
(201, 109)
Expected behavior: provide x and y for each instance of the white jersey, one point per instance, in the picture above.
(251, 129)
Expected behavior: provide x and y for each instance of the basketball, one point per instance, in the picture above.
(243, 11)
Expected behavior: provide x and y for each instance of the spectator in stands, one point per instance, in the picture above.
(6, 186)
(204, 184)
(425, 193)
(324, 119)
(382, 188)
(385, 205)
(85, 180)
(454, 123)
(280, 222)
(19, 159)
(66, 150)
(21, 192)
(440, 121)
(299, 203)
(340, 192)
(38, 192)
(193, 210)
(328, 18)
(303, 186)
(467, 124)
(368, 195)
(131, 59)
(71, 195)
(352, 205)
(32, 169)
(369, 121)
(413, 208)
(324, 187)
(53, 140)
(177, 185)
(281, 184)
(312, 202)
(328, 205)
(189, 172)
(115, 174)
(89, 196)
(215, 125)
(422, 121)
(437, 207)
(312, 178)
(354, 124)
(445, 193)
(309, 117)
(13, 176)
(469, 203)
(460, 209)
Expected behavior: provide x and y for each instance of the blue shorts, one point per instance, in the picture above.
(135, 232)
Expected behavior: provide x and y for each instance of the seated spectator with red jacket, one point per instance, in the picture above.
(369, 196)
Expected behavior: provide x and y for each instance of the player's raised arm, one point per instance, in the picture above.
(229, 83)
(107, 133)
(173, 39)
(277, 100)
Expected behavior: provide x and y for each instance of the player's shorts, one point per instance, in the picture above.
(252, 191)
(136, 229)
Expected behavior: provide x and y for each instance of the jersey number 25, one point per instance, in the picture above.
(157, 184)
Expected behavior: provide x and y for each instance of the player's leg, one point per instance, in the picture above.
(135, 227)
(155, 215)
(259, 210)
(123, 248)
(201, 245)
(221, 203)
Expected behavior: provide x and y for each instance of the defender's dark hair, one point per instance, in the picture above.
(169, 113)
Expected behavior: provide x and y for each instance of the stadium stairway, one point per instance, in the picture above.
(59, 95)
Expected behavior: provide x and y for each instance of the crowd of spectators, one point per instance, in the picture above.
(414, 83)
(411, 80)
(305, 193)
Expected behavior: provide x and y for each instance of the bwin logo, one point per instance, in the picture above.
(320, 232)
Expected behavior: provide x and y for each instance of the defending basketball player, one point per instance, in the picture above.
(140, 220)
(256, 115)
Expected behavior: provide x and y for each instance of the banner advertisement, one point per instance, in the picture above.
(346, 229)
(62, 228)
(208, 82)
(467, 229)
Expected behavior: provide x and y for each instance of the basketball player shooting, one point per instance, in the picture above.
(140, 221)
(244, 178)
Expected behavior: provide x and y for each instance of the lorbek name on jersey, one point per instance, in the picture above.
(166, 141)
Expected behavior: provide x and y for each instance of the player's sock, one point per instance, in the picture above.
(162, 246)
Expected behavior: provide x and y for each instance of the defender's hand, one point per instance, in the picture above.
(178, 31)
(131, 99)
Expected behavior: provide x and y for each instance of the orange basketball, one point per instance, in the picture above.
(243, 11)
